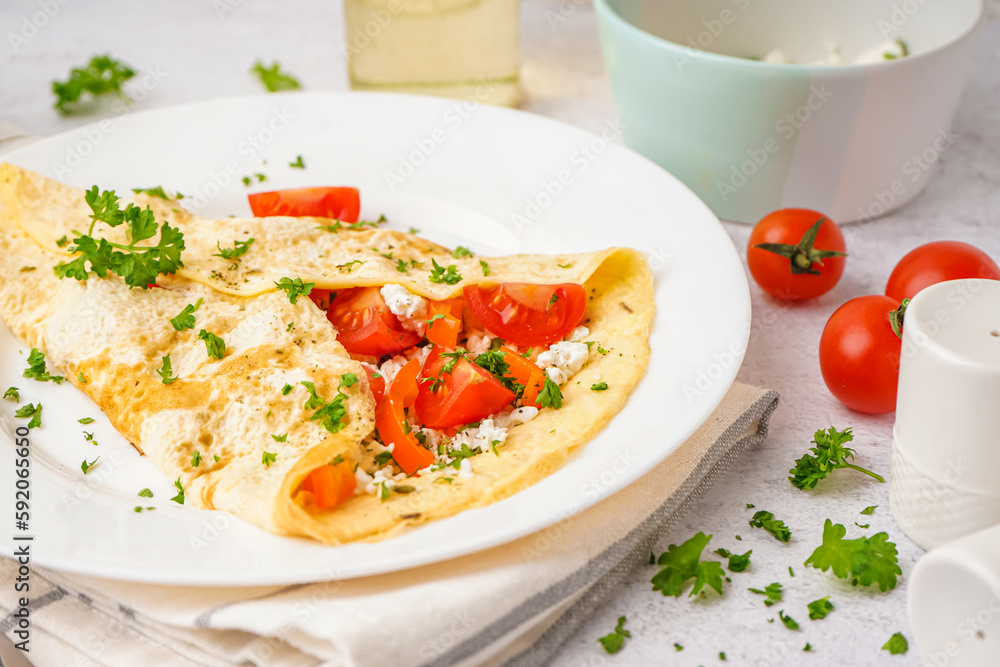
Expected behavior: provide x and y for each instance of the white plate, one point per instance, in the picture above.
(461, 174)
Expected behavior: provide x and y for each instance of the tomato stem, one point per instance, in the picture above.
(803, 255)
(896, 318)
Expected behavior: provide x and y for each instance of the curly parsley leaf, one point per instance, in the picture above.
(828, 455)
(819, 608)
(440, 274)
(267, 458)
(30, 410)
(294, 288)
(273, 78)
(789, 622)
(461, 251)
(36, 368)
(103, 75)
(897, 644)
(737, 562)
(864, 560)
(215, 346)
(238, 250)
(195, 459)
(680, 564)
(550, 396)
(614, 642)
(772, 593)
(776, 527)
(179, 498)
(485, 267)
(12, 394)
(185, 319)
(166, 371)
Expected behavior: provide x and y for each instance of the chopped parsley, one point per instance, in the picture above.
(215, 346)
(862, 526)
(552, 302)
(238, 250)
(330, 415)
(414, 230)
(485, 267)
(273, 78)
(737, 562)
(772, 593)
(86, 467)
(601, 350)
(864, 560)
(195, 459)
(348, 267)
(294, 288)
(103, 75)
(550, 396)
(286, 390)
(819, 608)
(158, 191)
(12, 394)
(896, 645)
(62, 242)
(179, 498)
(260, 177)
(494, 362)
(600, 386)
(280, 438)
(449, 276)
(869, 510)
(247, 181)
(461, 251)
(81, 378)
(565, 266)
(808, 647)
(680, 564)
(776, 527)
(402, 266)
(383, 457)
(36, 368)
(267, 458)
(166, 371)
(145, 493)
(138, 265)
(789, 622)
(86, 420)
(30, 410)
(678, 647)
(828, 455)
(297, 163)
(614, 642)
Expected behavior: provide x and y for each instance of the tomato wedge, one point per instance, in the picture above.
(390, 420)
(524, 372)
(445, 319)
(528, 314)
(377, 384)
(463, 394)
(343, 204)
(330, 485)
(322, 298)
(365, 325)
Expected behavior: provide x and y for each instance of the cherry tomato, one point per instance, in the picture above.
(377, 384)
(390, 420)
(937, 262)
(463, 394)
(859, 354)
(330, 485)
(527, 314)
(365, 325)
(343, 204)
(791, 260)
(445, 321)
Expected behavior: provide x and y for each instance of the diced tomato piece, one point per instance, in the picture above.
(527, 314)
(463, 394)
(365, 325)
(330, 485)
(342, 204)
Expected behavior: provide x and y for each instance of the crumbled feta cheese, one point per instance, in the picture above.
(363, 479)
(434, 438)
(392, 366)
(478, 343)
(578, 334)
(403, 303)
(522, 415)
(419, 353)
(489, 435)
(465, 468)
(557, 375)
(597, 377)
(569, 357)
(383, 477)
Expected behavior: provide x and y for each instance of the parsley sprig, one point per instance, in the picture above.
(680, 564)
(828, 455)
(863, 560)
(138, 265)
(776, 527)
(36, 368)
(273, 78)
(616, 640)
(238, 250)
(103, 75)
(440, 274)
(294, 288)
(330, 415)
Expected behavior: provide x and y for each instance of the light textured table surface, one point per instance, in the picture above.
(199, 55)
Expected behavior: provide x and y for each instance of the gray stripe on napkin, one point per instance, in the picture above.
(604, 573)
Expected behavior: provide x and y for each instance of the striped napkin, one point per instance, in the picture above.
(511, 605)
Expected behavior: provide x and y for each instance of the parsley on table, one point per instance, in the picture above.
(103, 75)
(461, 251)
(267, 458)
(614, 642)
(145, 493)
(239, 249)
(12, 394)
(158, 191)
(679, 564)
(550, 396)
(185, 319)
(776, 527)
(789, 622)
(485, 267)
(215, 346)
(280, 438)
(449, 276)
(330, 415)
(138, 265)
(179, 498)
(737, 562)
(166, 371)
(294, 288)
(86, 467)
(86, 420)
(195, 459)
(869, 510)
(260, 177)
(36, 368)
(864, 560)
(863, 526)
(30, 410)
(828, 455)
(298, 163)
(600, 386)
(772, 593)
(819, 608)
(678, 647)
(273, 78)
(808, 647)
(897, 644)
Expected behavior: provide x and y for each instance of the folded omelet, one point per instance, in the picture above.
(110, 341)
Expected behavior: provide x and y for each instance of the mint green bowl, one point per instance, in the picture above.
(749, 137)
